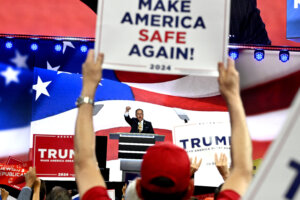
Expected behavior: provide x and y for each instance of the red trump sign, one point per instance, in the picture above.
(54, 156)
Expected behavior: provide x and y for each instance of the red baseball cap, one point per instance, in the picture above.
(169, 161)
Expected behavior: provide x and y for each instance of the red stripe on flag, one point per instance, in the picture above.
(274, 95)
(259, 148)
(215, 103)
(137, 77)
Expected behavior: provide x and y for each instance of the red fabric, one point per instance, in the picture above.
(271, 96)
(138, 77)
(97, 192)
(228, 195)
(166, 160)
(215, 103)
(259, 148)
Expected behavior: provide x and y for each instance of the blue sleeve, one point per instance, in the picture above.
(25, 193)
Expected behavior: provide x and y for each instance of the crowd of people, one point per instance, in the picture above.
(35, 189)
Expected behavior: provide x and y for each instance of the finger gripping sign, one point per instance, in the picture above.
(163, 36)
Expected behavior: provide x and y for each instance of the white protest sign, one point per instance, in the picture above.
(279, 175)
(204, 140)
(163, 36)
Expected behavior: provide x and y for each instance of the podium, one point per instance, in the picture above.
(132, 147)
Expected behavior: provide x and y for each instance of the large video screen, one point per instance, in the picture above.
(252, 21)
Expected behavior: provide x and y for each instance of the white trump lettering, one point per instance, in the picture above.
(56, 153)
(63, 156)
(42, 152)
(52, 153)
(71, 154)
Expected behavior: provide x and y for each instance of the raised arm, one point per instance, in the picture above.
(241, 147)
(36, 189)
(126, 115)
(87, 172)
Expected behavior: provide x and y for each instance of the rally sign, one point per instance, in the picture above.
(279, 175)
(12, 175)
(163, 36)
(203, 140)
(54, 156)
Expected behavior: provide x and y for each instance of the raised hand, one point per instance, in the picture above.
(195, 165)
(222, 165)
(30, 177)
(4, 194)
(92, 73)
(229, 80)
(128, 108)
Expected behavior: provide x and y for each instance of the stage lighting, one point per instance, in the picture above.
(259, 55)
(83, 48)
(233, 53)
(8, 44)
(58, 47)
(34, 47)
(284, 55)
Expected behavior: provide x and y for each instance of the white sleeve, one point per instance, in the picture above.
(126, 114)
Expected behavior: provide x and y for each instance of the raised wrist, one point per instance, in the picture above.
(233, 99)
(29, 185)
(84, 100)
(37, 186)
(88, 92)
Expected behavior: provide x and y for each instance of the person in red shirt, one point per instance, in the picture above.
(165, 171)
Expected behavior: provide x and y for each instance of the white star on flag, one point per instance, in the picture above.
(10, 75)
(67, 44)
(49, 67)
(41, 88)
(20, 60)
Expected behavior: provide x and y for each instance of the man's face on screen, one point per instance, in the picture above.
(139, 114)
